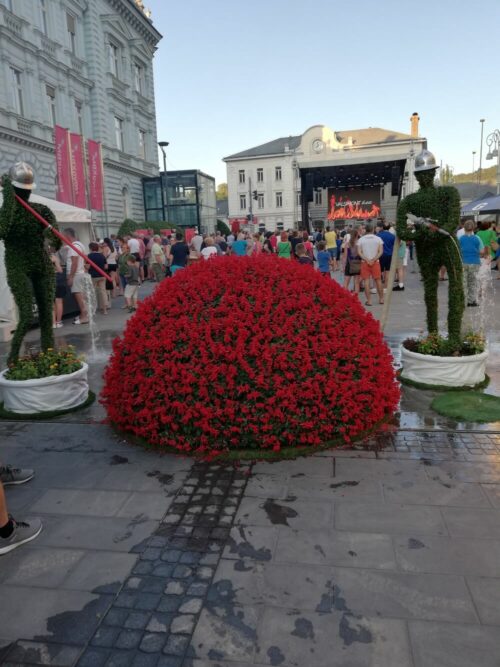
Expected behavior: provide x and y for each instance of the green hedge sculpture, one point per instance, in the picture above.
(435, 250)
(29, 269)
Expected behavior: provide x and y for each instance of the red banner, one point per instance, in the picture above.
(78, 171)
(63, 164)
(95, 175)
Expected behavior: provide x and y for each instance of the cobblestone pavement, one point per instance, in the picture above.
(385, 556)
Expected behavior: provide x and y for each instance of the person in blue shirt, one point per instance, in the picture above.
(471, 248)
(388, 239)
(239, 247)
(323, 259)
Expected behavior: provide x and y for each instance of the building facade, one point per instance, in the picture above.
(185, 198)
(85, 65)
(267, 181)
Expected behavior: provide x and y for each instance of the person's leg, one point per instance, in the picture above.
(357, 281)
(380, 290)
(365, 275)
(59, 309)
(347, 280)
(102, 297)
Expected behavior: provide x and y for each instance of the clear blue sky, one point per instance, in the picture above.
(231, 75)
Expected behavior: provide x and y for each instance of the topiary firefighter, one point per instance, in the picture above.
(440, 205)
(29, 269)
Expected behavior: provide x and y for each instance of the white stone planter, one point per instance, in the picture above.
(445, 371)
(57, 392)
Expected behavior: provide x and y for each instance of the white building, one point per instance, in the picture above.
(285, 180)
(86, 66)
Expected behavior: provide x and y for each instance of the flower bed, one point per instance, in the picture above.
(249, 353)
(44, 364)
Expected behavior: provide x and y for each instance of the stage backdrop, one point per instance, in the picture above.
(356, 203)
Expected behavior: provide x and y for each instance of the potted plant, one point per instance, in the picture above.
(434, 215)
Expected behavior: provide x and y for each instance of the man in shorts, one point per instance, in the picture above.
(76, 276)
(370, 248)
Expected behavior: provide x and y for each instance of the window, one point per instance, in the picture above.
(279, 200)
(243, 202)
(260, 176)
(43, 17)
(71, 25)
(318, 197)
(119, 133)
(241, 175)
(79, 116)
(138, 79)
(8, 4)
(277, 173)
(260, 200)
(17, 91)
(142, 144)
(299, 198)
(113, 58)
(51, 104)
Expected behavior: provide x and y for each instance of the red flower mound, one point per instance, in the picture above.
(249, 353)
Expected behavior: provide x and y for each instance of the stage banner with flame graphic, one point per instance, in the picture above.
(95, 175)
(360, 204)
(78, 171)
(63, 165)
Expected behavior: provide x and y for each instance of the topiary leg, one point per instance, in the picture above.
(44, 289)
(456, 300)
(430, 275)
(21, 288)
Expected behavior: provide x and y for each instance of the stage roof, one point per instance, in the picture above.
(366, 174)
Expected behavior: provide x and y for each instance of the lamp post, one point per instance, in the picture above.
(163, 145)
(493, 143)
(473, 162)
(481, 120)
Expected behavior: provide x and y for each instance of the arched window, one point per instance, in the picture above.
(125, 203)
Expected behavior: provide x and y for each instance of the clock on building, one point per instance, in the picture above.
(318, 145)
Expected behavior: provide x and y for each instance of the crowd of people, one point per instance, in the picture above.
(362, 252)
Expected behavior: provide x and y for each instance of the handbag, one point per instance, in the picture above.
(354, 267)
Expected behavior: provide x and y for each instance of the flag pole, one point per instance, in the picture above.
(61, 237)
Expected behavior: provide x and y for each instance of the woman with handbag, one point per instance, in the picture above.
(353, 261)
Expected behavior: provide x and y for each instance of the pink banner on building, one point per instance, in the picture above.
(95, 175)
(63, 164)
(78, 171)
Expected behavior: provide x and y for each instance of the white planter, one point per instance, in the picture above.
(56, 392)
(445, 371)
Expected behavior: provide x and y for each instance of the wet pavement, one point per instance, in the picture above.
(385, 556)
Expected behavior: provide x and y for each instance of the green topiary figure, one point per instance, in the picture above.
(29, 269)
(434, 249)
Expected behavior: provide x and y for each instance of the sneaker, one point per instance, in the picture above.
(23, 532)
(373, 290)
(10, 476)
(59, 325)
(398, 288)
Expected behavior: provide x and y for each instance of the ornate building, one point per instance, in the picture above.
(85, 65)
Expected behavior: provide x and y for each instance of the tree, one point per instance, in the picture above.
(222, 191)
(447, 175)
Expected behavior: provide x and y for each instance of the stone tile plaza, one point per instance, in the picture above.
(257, 430)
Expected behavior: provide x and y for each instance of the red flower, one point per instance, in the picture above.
(249, 353)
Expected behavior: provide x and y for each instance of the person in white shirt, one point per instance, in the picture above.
(209, 250)
(134, 246)
(197, 242)
(76, 276)
(370, 249)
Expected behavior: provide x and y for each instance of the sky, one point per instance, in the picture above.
(231, 74)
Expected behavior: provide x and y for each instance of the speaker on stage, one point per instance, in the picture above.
(309, 192)
(396, 180)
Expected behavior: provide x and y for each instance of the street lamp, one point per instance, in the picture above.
(163, 145)
(493, 143)
(481, 120)
(473, 162)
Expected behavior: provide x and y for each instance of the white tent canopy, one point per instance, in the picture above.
(78, 218)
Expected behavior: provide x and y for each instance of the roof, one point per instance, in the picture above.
(471, 191)
(367, 136)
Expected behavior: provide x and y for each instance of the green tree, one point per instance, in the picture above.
(221, 191)
(447, 176)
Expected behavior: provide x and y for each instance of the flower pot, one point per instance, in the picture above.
(53, 393)
(444, 371)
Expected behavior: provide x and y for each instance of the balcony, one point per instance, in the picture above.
(23, 126)
(13, 23)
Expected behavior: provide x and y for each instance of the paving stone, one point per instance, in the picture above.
(483, 473)
(311, 466)
(402, 595)
(366, 490)
(41, 653)
(295, 514)
(143, 567)
(94, 657)
(383, 470)
(128, 639)
(197, 589)
(331, 547)
(230, 632)
(392, 519)
(477, 523)
(493, 493)
(137, 620)
(486, 595)
(119, 658)
(100, 569)
(84, 503)
(176, 645)
(44, 567)
(183, 624)
(116, 617)
(436, 492)
(145, 660)
(175, 588)
(454, 645)
(255, 542)
(147, 601)
(448, 555)
(152, 643)
(148, 505)
(170, 603)
(191, 606)
(337, 638)
(105, 637)
(171, 555)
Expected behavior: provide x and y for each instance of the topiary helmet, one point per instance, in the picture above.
(22, 176)
(425, 161)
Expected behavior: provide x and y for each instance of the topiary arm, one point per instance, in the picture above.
(8, 207)
(449, 208)
(46, 213)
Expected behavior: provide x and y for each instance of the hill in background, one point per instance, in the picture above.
(488, 176)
